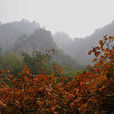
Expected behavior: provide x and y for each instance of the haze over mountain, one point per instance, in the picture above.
(78, 47)
(10, 31)
(29, 36)
(25, 35)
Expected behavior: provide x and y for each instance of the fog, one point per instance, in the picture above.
(78, 18)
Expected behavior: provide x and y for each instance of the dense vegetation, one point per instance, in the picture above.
(43, 86)
(25, 36)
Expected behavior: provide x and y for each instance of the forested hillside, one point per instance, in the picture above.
(28, 37)
(9, 32)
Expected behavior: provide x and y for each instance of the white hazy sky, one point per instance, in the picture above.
(78, 18)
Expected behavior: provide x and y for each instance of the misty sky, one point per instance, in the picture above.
(78, 18)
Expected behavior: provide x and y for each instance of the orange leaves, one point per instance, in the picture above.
(112, 38)
(102, 57)
(100, 89)
(104, 50)
(25, 66)
(2, 104)
(98, 48)
(89, 53)
(106, 71)
(53, 51)
(57, 68)
(26, 78)
(45, 92)
(10, 76)
(85, 105)
(27, 72)
(14, 80)
(97, 54)
(101, 43)
(25, 97)
(50, 51)
(41, 89)
(94, 60)
(58, 94)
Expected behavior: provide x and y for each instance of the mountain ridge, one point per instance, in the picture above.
(76, 48)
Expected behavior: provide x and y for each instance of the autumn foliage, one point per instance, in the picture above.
(88, 92)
